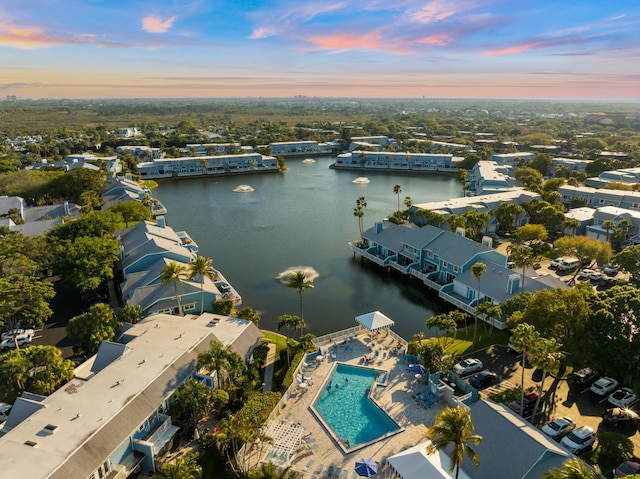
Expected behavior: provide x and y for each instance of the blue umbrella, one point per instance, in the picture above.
(417, 369)
(366, 467)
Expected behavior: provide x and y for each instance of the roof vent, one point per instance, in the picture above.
(30, 443)
(50, 428)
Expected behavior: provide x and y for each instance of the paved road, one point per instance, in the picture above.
(560, 398)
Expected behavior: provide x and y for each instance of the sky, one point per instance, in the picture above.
(515, 49)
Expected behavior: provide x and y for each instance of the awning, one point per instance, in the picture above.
(374, 321)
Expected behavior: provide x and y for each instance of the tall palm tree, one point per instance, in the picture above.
(574, 469)
(453, 426)
(288, 321)
(477, 270)
(397, 189)
(525, 339)
(523, 256)
(173, 273)
(203, 268)
(298, 280)
(546, 357)
(358, 211)
(608, 225)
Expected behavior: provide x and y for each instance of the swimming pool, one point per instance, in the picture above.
(348, 412)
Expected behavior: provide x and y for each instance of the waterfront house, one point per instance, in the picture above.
(497, 284)
(584, 216)
(207, 166)
(628, 176)
(36, 219)
(111, 420)
(442, 260)
(145, 242)
(145, 289)
(301, 148)
(396, 161)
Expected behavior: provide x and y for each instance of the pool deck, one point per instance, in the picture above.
(397, 399)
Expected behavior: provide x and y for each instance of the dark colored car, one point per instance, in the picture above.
(627, 468)
(527, 408)
(482, 379)
(618, 415)
(585, 377)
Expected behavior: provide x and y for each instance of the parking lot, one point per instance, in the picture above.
(560, 398)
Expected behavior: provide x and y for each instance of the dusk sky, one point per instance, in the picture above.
(572, 49)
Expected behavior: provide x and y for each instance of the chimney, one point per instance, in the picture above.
(161, 222)
(378, 226)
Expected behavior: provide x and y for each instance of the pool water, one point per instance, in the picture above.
(345, 407)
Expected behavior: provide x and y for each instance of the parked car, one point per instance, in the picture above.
(468, 366)
(623, 397)
(483, 379)
(20, 339)
(555, 262)
(611, 269)
(585, 376)
(559, 427)
(604, 386)
(586, 274)
(529, 402)
(596, 276)
(568, 264)
(579, 440)
(619, 415)
(631, 466)
(16, 332)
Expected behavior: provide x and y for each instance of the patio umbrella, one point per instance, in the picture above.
(319, 358)
(417, 369)
(303, 385)
(366, 467)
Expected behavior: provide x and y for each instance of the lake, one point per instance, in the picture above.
(304, 218)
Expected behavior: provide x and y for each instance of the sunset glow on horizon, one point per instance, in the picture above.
(334, 48)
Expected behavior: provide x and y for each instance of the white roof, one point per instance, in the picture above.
(415, 463)
(374, 321)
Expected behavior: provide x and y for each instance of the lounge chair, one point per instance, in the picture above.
(308, 466)
(319, 469)
(330, 471)
(338, 472)
(345, 474)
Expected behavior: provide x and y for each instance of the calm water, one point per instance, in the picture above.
(304, 217)
(347, 409)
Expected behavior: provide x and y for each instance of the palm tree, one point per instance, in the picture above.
(454, 426)
(608, 225)
(358, 211)
(183, 468)
(489, 310)
(397, 189)
(523, 256)
(477, 270)
(524, 338)
(201, 267)
(546, 357)
(574, 469)
(289, 321)
(298, 280)
(173, 273)
(572, 224)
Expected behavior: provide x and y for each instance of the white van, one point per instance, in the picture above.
(568, 264)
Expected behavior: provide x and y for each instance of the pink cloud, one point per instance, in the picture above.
(439, 40)
(346, 41)
(439, 10)
(31, 38)
(155, 24)
(513, 49)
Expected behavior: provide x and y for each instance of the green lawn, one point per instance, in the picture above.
(462, 343)
(278, 339)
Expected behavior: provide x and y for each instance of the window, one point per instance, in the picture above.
(456, 269)
(429, 254)
(189, 307)
(445, 264)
